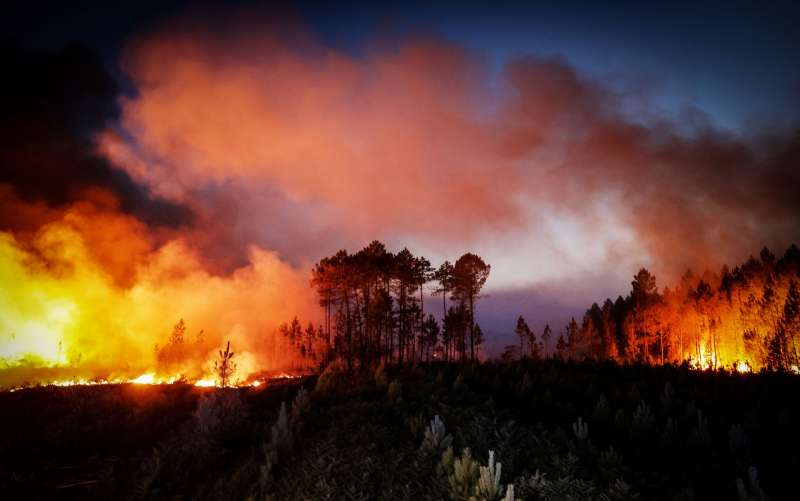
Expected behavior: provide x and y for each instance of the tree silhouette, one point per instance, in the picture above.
(561, 346)
(431, 335)
(171, 355)
(374, 306)
(644, 294)
(224, 366)
(469, 276)
(547, 333)
(444, 276)
(524, 332)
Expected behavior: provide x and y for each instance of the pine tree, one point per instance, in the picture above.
(561, 346)
(572, 340)
(547, 333)
(225, 367)
(469, 276)
(790, 321)
(523, 331)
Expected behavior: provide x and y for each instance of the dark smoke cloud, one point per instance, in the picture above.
(52, 105)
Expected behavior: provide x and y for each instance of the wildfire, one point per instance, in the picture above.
(144, 379)
(83, 306)
(150, 379)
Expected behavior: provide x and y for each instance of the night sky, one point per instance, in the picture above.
(734, 61)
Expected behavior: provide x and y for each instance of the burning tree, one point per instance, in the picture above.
(224, 366)
(747, 317)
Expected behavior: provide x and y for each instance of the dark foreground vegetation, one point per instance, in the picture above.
(560, 430)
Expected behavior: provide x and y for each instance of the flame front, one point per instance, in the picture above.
(72, 311)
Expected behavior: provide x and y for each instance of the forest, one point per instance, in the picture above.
(374, 309)
(745, 318)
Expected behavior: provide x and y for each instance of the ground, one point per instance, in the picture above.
(561, 431)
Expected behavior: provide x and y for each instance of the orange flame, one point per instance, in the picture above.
(67, 318)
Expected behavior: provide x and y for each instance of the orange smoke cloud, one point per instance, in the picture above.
(379, 141)
(419, 139)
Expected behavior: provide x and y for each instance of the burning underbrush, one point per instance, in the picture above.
(57, 379)
(83, 304)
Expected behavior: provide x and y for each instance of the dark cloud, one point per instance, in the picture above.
(52, 104)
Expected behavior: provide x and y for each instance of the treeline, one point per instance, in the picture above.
(748, 316)
(374, 305)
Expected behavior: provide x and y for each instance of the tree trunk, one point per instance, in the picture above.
(348, 331)
(472, 327)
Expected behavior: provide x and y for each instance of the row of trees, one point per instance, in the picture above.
(747, 315)
(374, 304)
(374, 312)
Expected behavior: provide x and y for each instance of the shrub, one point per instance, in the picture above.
(218, 411)
(380, 376)
(752, 491)
(488, 487)
(395, 392)
(281, 433)
(327, 380)
(580, 429)
(436, 436)
(465, 475)
(299, 405)
(459, 386)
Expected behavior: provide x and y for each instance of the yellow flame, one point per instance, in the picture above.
(63, 316)
(145, 379)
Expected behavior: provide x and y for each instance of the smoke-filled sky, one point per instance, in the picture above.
(567, 145)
